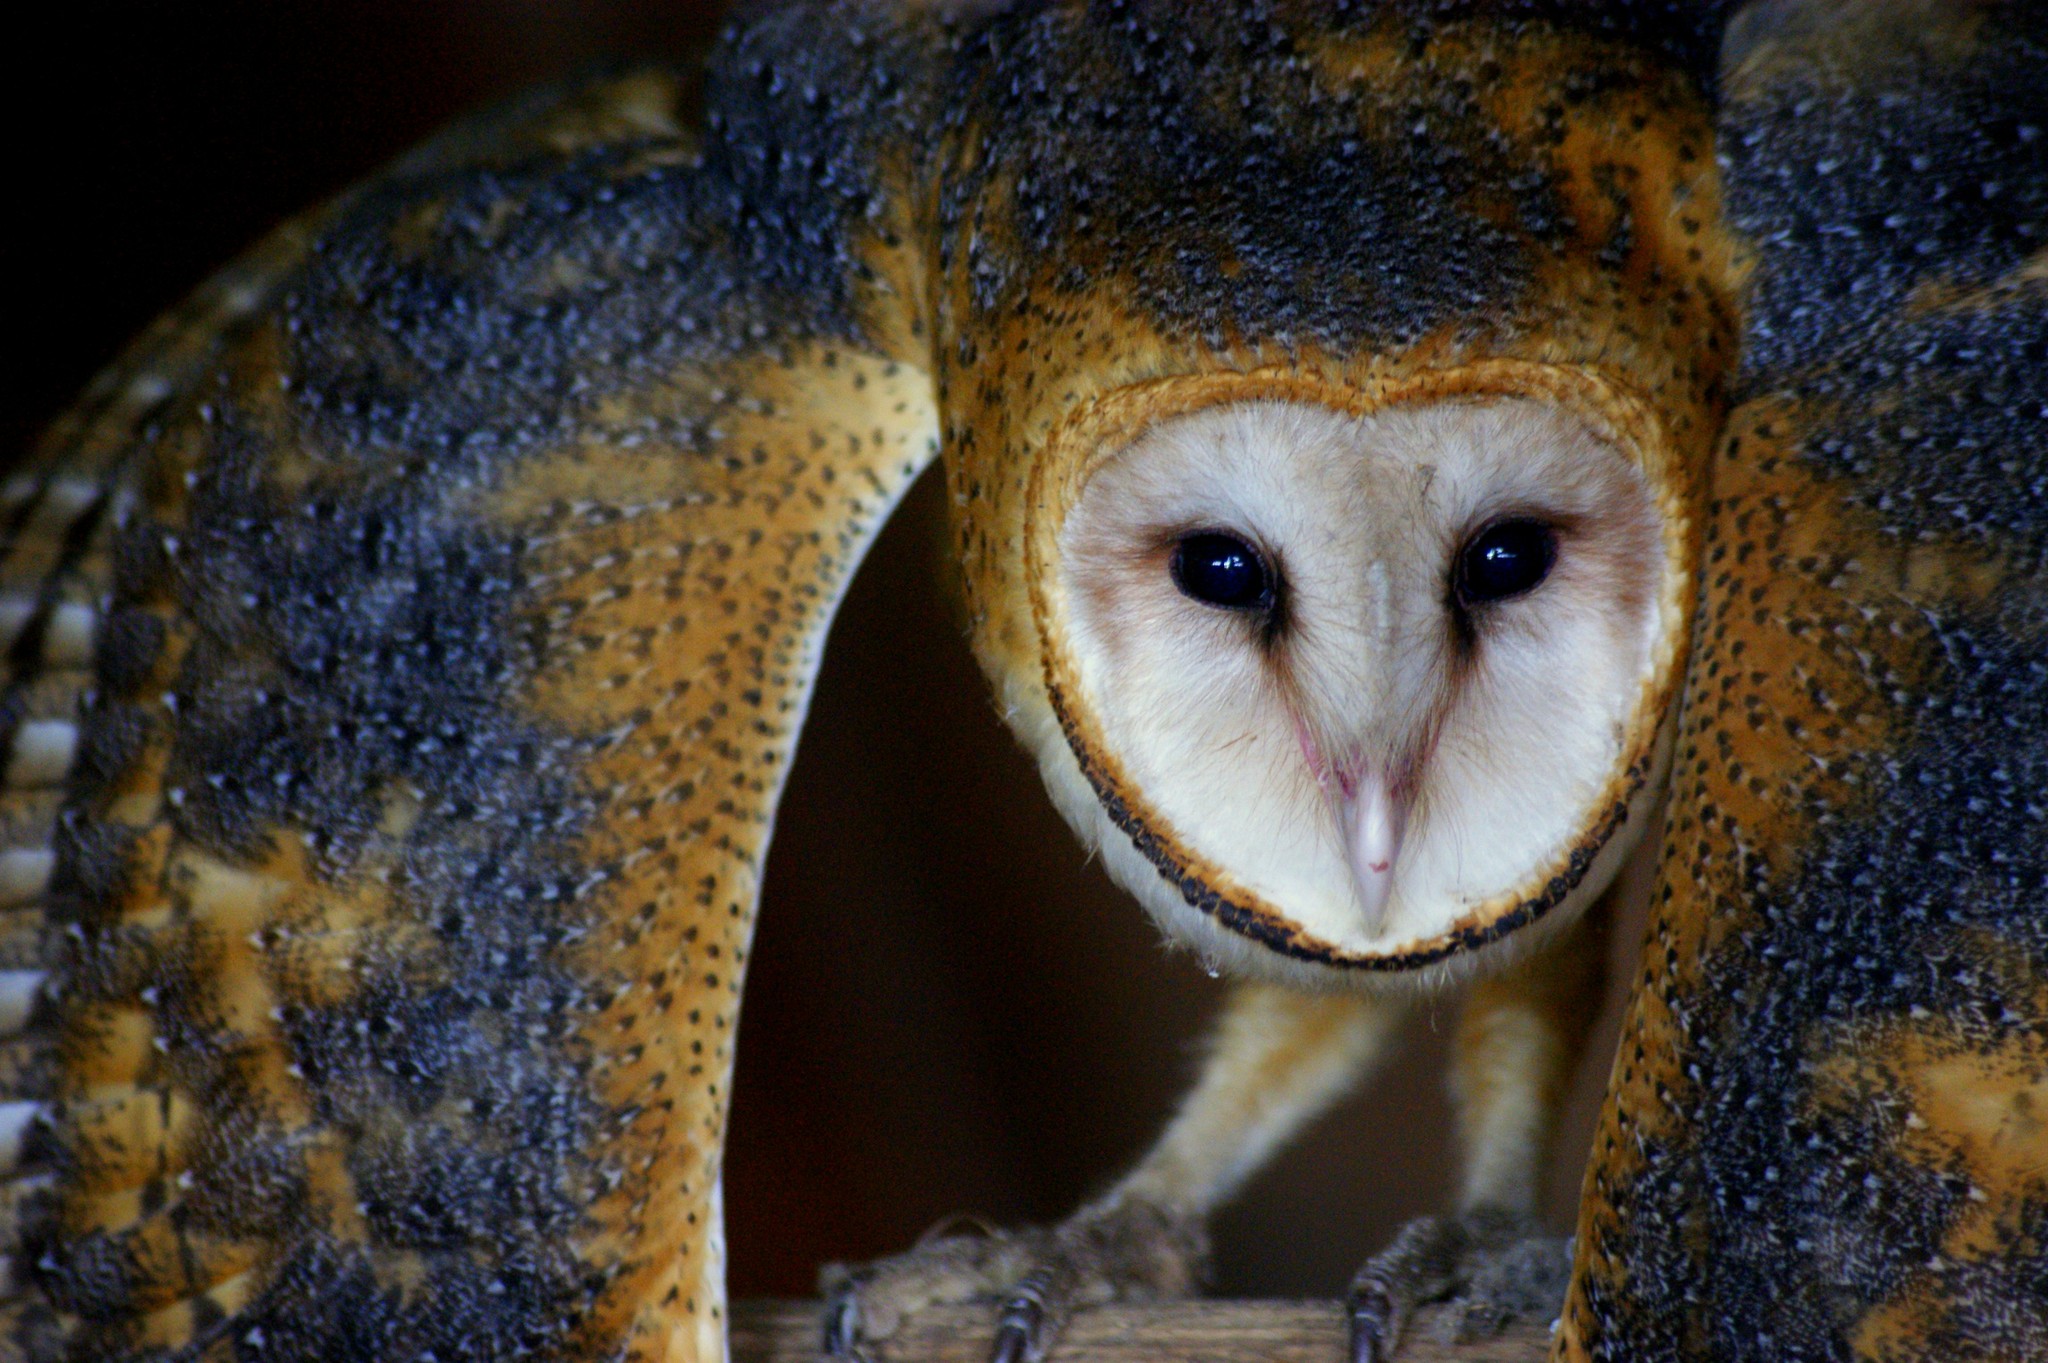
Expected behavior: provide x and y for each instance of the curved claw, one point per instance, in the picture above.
(842, 1318)
(1417, 1267)
(1023, 1320)
(1124, 1251)
(1490, 1267)
(1375, 1326)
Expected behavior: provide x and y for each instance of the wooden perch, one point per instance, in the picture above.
(1171, 1332)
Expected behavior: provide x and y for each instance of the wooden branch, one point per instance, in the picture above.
(1168, 1332)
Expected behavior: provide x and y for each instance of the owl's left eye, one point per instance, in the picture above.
(1505, 559)
(1222, 570)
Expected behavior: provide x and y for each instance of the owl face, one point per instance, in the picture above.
(1372, 683)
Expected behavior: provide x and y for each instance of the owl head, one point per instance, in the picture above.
(1328, 465)
(1359, 678)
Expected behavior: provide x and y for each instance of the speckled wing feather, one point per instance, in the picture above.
(406, 645)
(388, 852)
(1827, 1136)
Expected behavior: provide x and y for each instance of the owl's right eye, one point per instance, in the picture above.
(1222, 570)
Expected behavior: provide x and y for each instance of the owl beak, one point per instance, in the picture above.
(1371, 815)
(1371, 819)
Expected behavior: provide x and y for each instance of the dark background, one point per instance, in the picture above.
(950, 1011)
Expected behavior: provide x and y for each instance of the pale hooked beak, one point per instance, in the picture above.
(1371, 819)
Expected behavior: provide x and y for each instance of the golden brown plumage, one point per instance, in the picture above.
(1824, 1135)
(1216, 272)
(380, 658)
(463, 597)
(411, 638)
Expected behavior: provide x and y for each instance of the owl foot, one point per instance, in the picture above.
(1493, 1268)
(1123, 1251)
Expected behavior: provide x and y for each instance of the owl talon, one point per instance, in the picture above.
(1012, 1344)
(1019, 1329)
(842, 1317)
(1490, 1267)
(1126, 1252)
(1372, 1326)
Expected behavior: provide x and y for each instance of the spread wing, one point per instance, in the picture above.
(406, 645)
(1825, 1133)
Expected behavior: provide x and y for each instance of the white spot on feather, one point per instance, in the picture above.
(42, 753)
(147, 388)
(71, 497)
(19, 990)
(14, 1124)
(24, 871)
(16, 610)
(68, 641)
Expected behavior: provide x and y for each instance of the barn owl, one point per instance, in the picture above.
(1826, 1136)
(409, 635)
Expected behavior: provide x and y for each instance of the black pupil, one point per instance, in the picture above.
(1506, 560)
(1220, 570)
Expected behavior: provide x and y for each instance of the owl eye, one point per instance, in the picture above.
(1222, 570)
(1505, 559)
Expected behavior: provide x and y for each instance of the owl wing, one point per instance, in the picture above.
(407, 641)
(1824, 1132)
